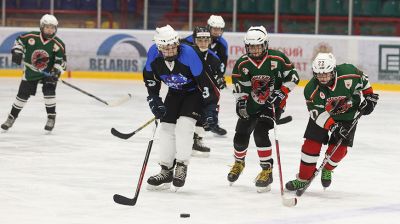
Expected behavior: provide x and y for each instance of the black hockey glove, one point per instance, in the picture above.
(157, 106)
(276, 97)
(221, 82)
(241, 107)
(369, 103)
(338, 131)
(17, 56)
(210, 117)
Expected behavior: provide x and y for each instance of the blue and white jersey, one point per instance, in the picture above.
(184, 74)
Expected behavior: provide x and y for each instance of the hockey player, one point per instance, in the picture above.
(333, 98)
(263, 79)
(43, 54)
(191, 93)
(212, 65)
(219, 46)
(216, 67)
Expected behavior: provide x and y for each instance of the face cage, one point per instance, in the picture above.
(47, 36)
(330, 82)
(170, 58)
(265, 45)
(214, 38)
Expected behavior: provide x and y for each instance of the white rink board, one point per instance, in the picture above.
(125, 50)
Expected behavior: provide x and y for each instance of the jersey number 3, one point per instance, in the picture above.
(206, 92)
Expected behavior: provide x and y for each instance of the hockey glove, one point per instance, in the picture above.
(338, 131)
(276, 97)
(17, 56)
(241, 107)
(157, 106)
(369, 103)
(210, 117)
(221, 83)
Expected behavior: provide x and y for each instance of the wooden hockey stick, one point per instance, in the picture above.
(118, 134)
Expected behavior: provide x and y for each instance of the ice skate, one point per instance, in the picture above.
(180, 175)
(8, 123)
(235, 172)
(264, 179)
(161, 181)
(218, 130)
(326, 178)
(51, 121)
(295, 185)
(199, 149)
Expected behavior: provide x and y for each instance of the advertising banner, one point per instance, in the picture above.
(125, 50)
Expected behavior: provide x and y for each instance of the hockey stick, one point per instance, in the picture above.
(288, 202)
(112, 104)
(327, 157)
(284, 120)
(132, 201)
(118, 134)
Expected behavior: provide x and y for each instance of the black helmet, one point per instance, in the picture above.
(201, 32)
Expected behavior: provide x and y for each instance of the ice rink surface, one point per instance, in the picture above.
(71, 175)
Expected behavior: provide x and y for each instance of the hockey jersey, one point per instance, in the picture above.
(41, 54)
(185, 74)
(339, 102)
(257, 79)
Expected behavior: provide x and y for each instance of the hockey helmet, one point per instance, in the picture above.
(324, 68)
(167, 41)
(256, 42)
(216, 24)
(48, 20)
(202, 38)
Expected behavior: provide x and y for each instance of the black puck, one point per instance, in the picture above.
(185, 215)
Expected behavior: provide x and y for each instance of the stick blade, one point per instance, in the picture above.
(122, 200)
(284, 120)
(289, 202)
(120, 101)
(118, 134)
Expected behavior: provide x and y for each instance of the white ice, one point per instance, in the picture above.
(71, 175)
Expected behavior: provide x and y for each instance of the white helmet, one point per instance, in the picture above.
(216, 21)
(256, 35)
(166, 35)
(324, 63)
(48, 19)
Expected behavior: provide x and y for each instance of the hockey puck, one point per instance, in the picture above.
(185, 215)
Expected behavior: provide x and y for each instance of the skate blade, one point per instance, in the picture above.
(231, 183)
(3, 131)
(160, 187)
(46, 132)
(264, 189)
(175, 189)
(196, 153)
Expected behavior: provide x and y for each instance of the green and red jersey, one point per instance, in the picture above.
(343, 97)
(256, 79)
(42, 54)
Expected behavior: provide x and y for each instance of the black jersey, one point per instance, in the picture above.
(184, 74)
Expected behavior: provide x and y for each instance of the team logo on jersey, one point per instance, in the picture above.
(175, 81)
(245, 71)
(274, 65)
(348, 83)
(322, 95)
(31, 41)
(260, 88)
(338, 105)
(40, 59)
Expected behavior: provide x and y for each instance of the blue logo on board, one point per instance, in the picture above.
(123, 59)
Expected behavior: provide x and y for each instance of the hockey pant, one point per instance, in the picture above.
(260, 129)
